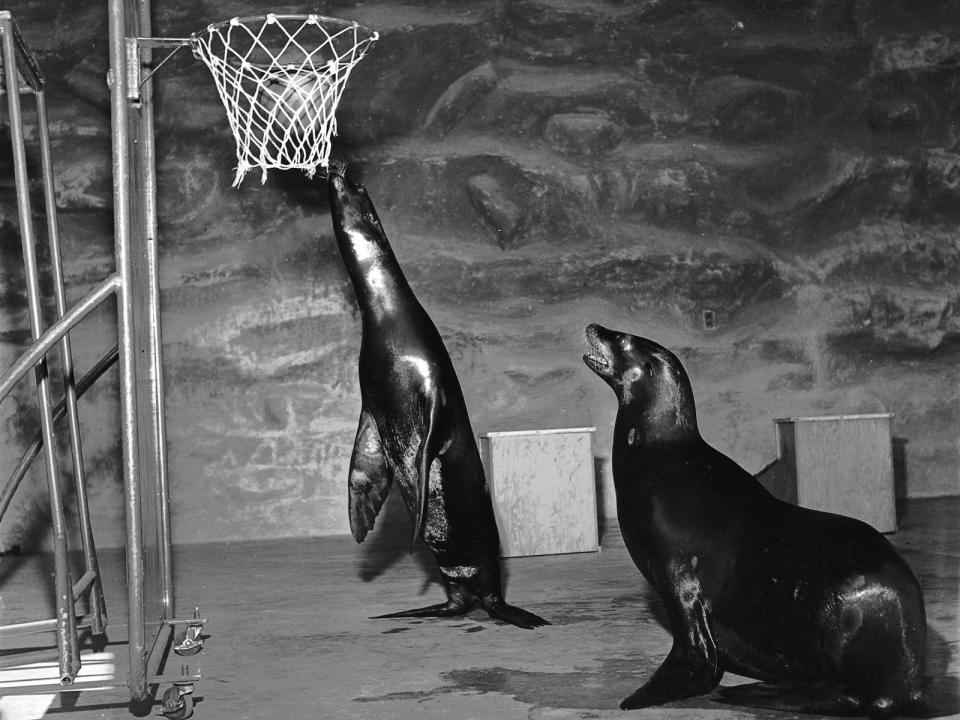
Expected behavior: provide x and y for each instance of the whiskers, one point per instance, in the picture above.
(338, 166)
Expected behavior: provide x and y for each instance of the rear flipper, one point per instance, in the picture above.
(507, 613)
(488, 589)
(810, 698)
(460, 601)
(514, 615)
(446, 609)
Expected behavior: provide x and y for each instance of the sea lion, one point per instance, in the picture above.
(414, 428)
(817, 605)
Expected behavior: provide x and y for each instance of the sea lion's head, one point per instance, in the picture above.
(354, 216)
(647, 378)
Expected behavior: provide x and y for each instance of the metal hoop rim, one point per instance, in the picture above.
(325, 19)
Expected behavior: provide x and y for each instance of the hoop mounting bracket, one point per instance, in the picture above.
(133, 69)
(135, 77)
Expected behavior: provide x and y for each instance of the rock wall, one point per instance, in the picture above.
(771, 189)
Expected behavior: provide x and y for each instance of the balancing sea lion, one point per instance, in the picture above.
(819, 606)
(414, 428)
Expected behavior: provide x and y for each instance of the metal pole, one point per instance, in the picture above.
(147, 172)
(69, 389)
(67, 643)
(117, 80)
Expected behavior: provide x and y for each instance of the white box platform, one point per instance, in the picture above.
(543, 489)
(838, 463)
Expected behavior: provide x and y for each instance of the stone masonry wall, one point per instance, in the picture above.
(771, 189)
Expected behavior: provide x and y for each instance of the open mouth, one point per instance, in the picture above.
(596, 359)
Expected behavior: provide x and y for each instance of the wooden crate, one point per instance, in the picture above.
(542, 485)
(839, 463)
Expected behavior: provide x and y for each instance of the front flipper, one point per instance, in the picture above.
(370, 477)
(692, 666)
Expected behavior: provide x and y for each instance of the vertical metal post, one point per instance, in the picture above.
(129, 433)
(149, 567)
(66, 629)
(146, 158)
(97, 607)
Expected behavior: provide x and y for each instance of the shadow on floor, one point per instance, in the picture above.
(942, 696)
(389, 542)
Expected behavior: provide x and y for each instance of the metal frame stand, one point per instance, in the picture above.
(143, 441)
(22, 74)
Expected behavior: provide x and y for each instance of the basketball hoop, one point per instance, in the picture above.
(280, 78)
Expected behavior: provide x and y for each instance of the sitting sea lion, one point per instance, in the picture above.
(818, 605)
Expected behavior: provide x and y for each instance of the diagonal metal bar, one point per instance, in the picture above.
(40, 347)
(59, 411)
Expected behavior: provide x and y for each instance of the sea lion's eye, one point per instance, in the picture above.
(648, 368)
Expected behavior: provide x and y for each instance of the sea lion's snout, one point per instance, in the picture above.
(339, 198)
(355, 219)
(598, 359)
(348, 192)
(349, 199)
(338, 187)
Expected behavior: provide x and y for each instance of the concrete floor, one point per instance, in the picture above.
(290, 635)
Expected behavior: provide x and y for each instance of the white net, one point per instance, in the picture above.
(280, 78)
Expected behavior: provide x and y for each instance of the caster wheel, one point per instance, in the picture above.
(176, 705)
(188, 647)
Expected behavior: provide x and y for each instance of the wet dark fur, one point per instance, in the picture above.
(819, 605)
(414, 428)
